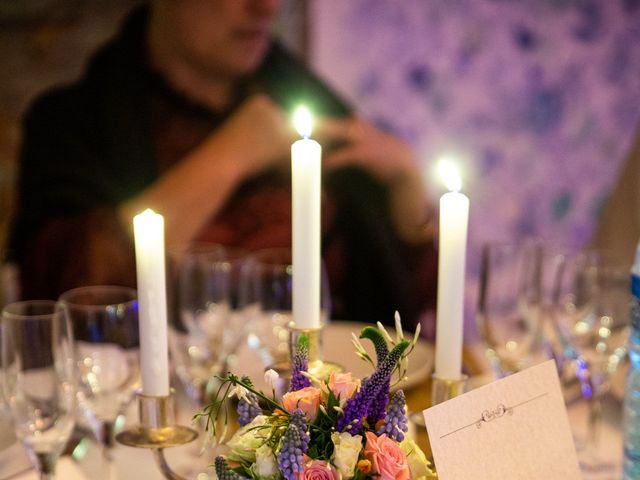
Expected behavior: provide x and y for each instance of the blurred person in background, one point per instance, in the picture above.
(186, 111)
(618, 229)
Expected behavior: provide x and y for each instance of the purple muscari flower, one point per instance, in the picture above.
(300, 364)
(395, 422)
(299, 419)
(359, 406)
(293, 447)
(248, 409)
(223, 471)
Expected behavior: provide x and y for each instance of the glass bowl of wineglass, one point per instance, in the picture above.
(208, 321)
(105, 324)
(590, 310)
(39, 379)
(509, 314)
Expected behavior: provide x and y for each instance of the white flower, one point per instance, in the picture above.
(399, 332)
(416, 459)
(246, 440)
(265, 465)
(238, 391)
(271, 377)
(346, 452)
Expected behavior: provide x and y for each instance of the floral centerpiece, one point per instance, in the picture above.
(333, 428)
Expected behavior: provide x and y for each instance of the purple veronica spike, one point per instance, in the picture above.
(395, 422)
(379, 403)
(358, 407)
(300, 364)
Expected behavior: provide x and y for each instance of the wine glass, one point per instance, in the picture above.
(591, 305)
(39, 379)
(209, 323)
(268, 289)
(509, 315)
(105, 325)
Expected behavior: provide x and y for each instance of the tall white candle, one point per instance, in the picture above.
(305, 187)
(454, 214)
(152, 314)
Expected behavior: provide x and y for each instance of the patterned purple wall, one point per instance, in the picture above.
(538, 99)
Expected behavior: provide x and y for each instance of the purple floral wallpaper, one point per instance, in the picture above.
(538, 100)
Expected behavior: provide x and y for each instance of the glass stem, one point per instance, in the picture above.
(46, 465)
(107, 441)
(107, 437)
(595, 422)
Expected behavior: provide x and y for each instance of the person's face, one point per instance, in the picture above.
(221, 37)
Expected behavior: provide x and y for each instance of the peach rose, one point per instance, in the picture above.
(387, 458)
(306, 399)
(343, 385)
(318, 470)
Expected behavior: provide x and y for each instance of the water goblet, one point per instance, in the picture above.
(509, 311)
(39, 379)
(591, 304)
(268, 294)
(105, 325)
(209, 324)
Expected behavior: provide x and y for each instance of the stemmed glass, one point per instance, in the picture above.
(105, 325)
(509, 314)
(268, 295)
(209, 323)
(39, 379)
(590, 309)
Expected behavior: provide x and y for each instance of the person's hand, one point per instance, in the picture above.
(257, 134)
(363, 145)
(389, 160)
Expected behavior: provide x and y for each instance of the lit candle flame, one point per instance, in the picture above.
(303, 121)
(450, 175)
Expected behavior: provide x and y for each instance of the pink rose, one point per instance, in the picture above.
(388, 460)
(343, 385)
(318, 470)
(306, 399)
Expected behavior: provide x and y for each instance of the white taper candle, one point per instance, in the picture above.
(150, 268)
(452, 244)
(306, 190)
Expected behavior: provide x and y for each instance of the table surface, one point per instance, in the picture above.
(135, 463)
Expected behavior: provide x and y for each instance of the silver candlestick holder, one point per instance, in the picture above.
(443, 389)
(317, 366)
(157, 430)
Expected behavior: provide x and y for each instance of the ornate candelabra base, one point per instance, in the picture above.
(157, 431)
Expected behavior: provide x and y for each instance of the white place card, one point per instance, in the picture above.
(514, 428)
